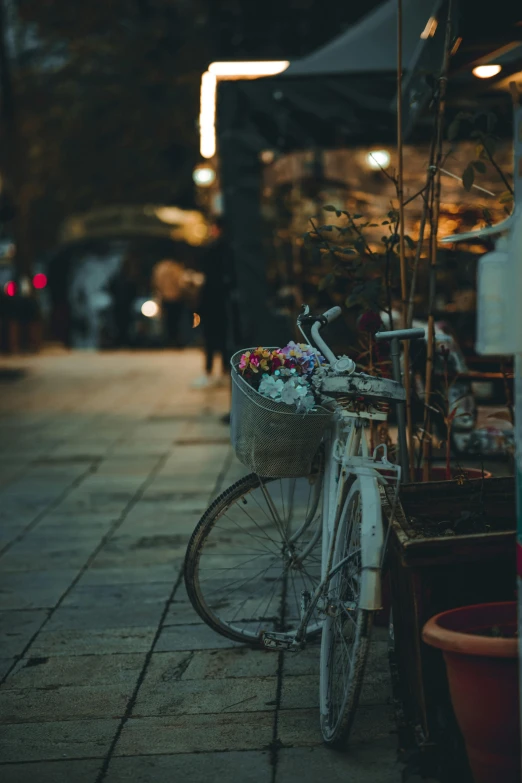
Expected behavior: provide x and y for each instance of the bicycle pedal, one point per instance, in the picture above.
(279, 641)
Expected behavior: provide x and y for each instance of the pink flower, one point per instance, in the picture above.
(243, 363)
(277, 361)
(369, 321)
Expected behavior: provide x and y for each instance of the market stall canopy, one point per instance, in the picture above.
(371, 45)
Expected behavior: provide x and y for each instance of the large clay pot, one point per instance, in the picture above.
(483, 679)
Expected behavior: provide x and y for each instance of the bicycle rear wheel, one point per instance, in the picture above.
(347, 628)
(255, 555)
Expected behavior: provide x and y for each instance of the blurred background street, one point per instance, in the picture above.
(178, 179)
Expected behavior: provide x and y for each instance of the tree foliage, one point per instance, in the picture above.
(107, 92)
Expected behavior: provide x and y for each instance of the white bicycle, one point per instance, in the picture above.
(275, 562)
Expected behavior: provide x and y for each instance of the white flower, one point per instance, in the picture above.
(306, 404)
(290, 393)
(271, 387)
(296, 392)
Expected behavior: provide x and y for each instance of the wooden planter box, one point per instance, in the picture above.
(429, 573)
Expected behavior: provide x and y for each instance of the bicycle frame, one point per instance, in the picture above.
(347, 458)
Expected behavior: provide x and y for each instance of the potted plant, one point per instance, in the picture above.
(480, 648)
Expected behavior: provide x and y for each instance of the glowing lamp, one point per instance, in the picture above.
(378, 159)
(150, 309)
(204, 176)
(486, 71)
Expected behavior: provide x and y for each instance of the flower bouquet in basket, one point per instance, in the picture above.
(283, 374)
(277, 421)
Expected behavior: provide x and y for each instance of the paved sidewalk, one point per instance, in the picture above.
(106, 463)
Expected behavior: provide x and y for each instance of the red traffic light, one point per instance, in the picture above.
(10, 288)
(40, 280)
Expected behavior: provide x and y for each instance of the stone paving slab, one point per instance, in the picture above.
(168, 504)
(99, 618)
(304, 662)
(244, 767)
(196, 733)
(191, 637)
(303, 692)
(301, 727)
(38, 552)
(138, 575)
(86, 670)
(175, 484)
(17, 628)
(169, 524)
(5, 665)
(84, 771)
(99, 641)
(41, 705)
(188, 697)
(375, 763)
(33, 589)
(182, 613)
(56, 521)
(105, 597)
(56, 740)
(238, 662)
(141, 550)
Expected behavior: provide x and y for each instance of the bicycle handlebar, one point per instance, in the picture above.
(331, 314)
(343, 364)
(401, 334)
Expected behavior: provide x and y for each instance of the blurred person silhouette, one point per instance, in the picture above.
(214, 304)
(167, 281)
(123, 288)
(58, 282)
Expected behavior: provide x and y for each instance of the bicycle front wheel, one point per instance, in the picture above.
(255, 557)
(347, 628)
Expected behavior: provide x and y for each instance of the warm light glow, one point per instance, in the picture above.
(249, 68)
(39, 280)
(456, 46)
(486, 71)
(226, 70)
(149, 309)
(430, 29)
(267, 156)
(171, 215)
(196, 320)
(207, 116)
(10, 288)
(204, 176)
(378, 159)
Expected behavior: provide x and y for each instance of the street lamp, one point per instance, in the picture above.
(486, 71)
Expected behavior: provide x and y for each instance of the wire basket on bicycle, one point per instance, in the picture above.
(270, 437)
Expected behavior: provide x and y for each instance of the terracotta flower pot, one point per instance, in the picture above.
(483, 680)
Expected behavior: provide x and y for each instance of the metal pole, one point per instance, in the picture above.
(401, 412)
(402, 252)
(518, 480)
